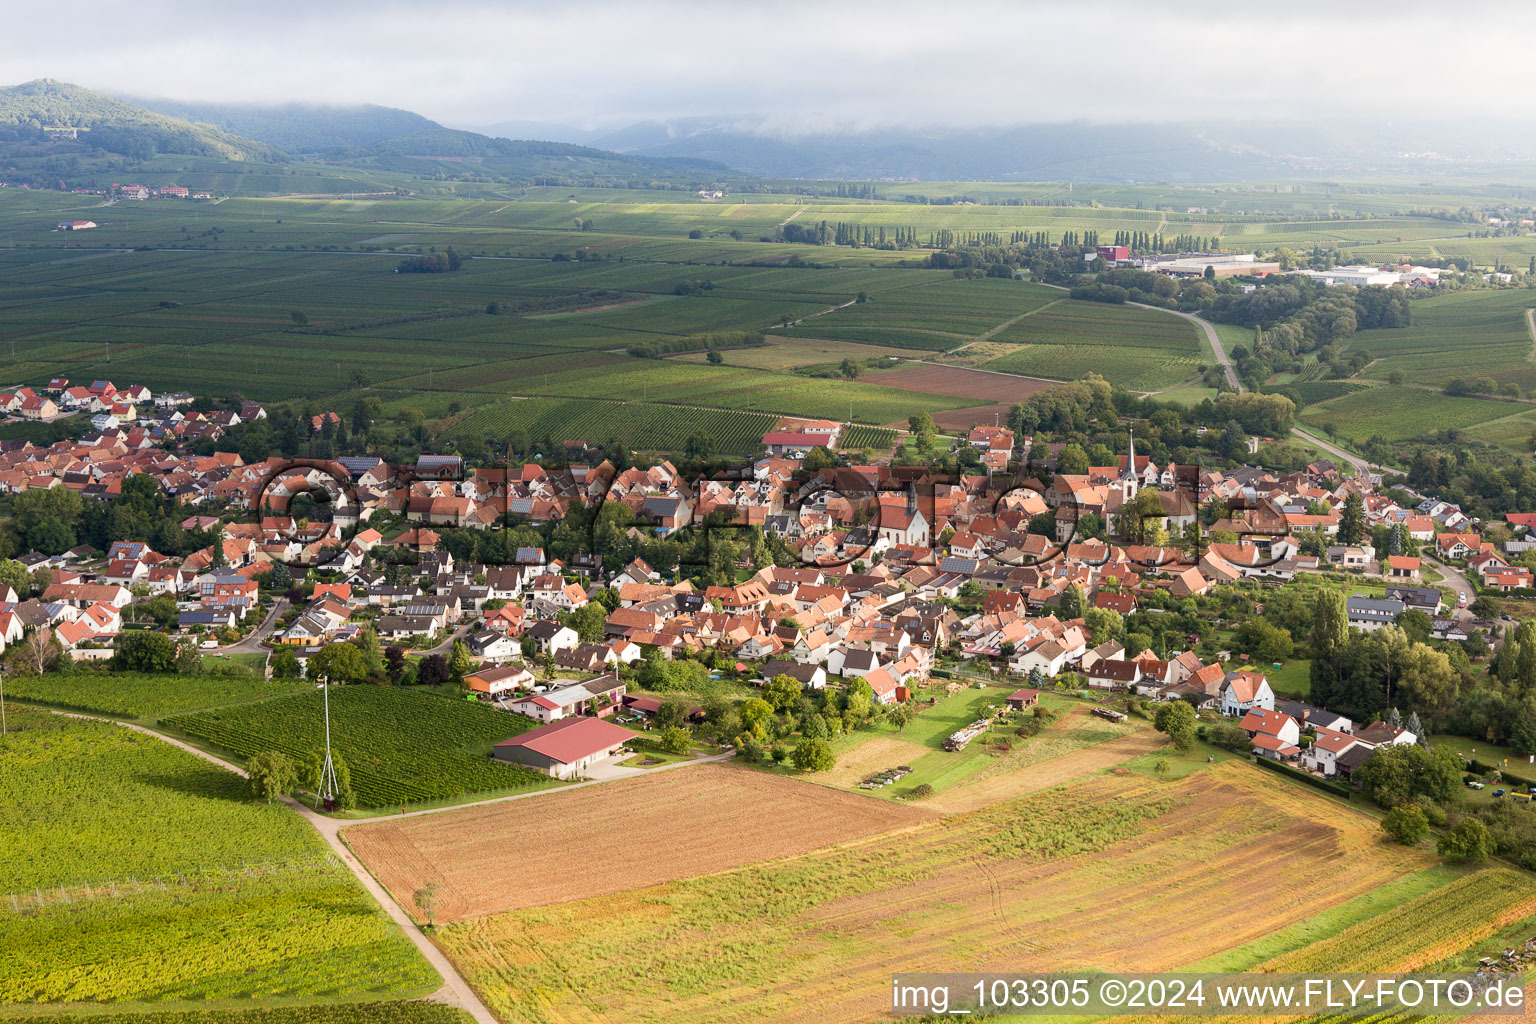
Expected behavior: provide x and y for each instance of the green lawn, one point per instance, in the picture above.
(1180, 764)
(942, 768)
(1293, 679)
(1488, 753)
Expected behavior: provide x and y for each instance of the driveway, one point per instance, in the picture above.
(447, 645)
(609, 768)
(1454, 580)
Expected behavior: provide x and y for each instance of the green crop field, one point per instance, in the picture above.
(1134, 348)
(1311, 392)
(400, 745)
(638, 426)
(196, 296)
(942, 313)
(138, 873)
(739, 388)
(1462, 334)
(130, 695)
(1403, 413)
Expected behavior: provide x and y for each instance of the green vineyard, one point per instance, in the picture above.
(137, 872)
(135, 695)
(399, 1012)
(400, 745)
(641, 427)
(1311, 392)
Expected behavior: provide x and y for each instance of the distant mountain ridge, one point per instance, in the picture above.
(37, 118)
(28, 110)
(1078, 151)
(298, 127)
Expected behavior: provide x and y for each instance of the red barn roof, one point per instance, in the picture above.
(571, 739)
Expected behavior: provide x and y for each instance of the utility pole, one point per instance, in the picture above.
(325, 791)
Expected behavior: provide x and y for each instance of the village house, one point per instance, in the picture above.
(1244, 691)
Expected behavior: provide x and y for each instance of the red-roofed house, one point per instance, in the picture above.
(780, 442)
(1275, 734)
(1509, 577)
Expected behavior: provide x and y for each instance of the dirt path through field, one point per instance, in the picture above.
(1000, 328)
(455, 991)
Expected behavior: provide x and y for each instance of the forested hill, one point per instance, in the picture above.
(437, 141)
(299, 128)
(28, 110)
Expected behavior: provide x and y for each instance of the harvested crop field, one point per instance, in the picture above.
(955, 420)
(991, 787)
(617, 836)
(1038, 884)
(961, 382)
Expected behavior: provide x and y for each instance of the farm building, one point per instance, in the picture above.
(1021, 699)
(566, 748)
(76, 225)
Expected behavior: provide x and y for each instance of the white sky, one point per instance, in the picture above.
(803, 65)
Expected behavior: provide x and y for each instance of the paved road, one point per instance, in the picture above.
(1361, 466)
(252, 643)
(447, 645)
(1454, 580)
(1211, 336)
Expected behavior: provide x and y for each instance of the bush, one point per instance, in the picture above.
(1229, 735)
(1406, 824)
(1468, 841)
(272, 775)
(920, 792)
(675, 740)
(813, 756)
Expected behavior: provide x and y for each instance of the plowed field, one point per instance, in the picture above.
(609, 838)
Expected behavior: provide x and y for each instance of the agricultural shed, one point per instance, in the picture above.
(565, 748)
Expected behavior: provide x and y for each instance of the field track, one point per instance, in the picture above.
(455, 991)
(589, 842)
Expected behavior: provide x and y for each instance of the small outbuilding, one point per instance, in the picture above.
(1021, 699)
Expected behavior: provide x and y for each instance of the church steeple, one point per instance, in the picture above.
(1129, 482)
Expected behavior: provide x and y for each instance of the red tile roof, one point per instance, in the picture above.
(571, 739)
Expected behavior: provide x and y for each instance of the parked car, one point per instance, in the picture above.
(208, 645)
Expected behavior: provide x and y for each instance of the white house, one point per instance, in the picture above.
(1241, 692)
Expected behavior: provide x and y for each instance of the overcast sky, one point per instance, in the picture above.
(801, 65)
